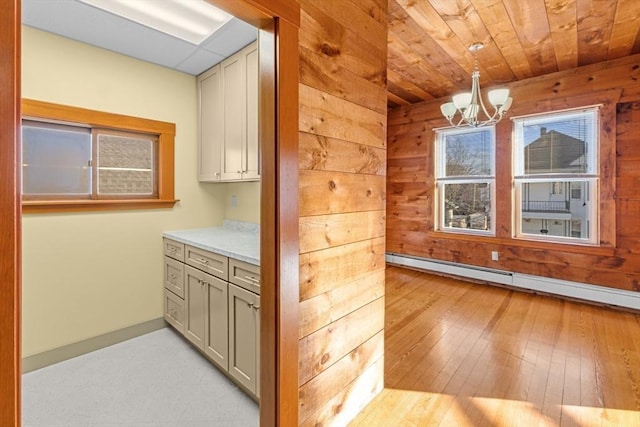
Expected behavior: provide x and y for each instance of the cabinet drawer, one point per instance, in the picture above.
(174, 310)
(174, 249)
(174, 276)
(206, 261)
(245, 275)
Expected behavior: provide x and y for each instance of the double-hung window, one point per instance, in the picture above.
(465, 180)
(556, 176)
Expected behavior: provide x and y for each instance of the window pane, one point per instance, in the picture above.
(467, 206)
(559, 144)
(56, 160)
(469, 153)
(125, 165)
(546, 212)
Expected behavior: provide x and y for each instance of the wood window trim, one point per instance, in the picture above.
(607, 173)
(165, 165)
(608, 100)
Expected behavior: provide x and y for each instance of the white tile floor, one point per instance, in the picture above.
(156, 380)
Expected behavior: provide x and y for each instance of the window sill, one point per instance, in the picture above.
(57, 206)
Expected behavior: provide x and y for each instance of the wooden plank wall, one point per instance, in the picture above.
(410, 187)
(342, 157)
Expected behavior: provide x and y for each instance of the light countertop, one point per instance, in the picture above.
(235, 239)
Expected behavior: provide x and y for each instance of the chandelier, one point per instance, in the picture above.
(469, 105)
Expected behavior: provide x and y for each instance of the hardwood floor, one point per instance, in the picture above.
(463, 354)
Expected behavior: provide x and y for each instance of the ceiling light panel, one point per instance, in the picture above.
(189, 20)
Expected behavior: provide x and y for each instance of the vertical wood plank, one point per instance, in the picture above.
(10, 212)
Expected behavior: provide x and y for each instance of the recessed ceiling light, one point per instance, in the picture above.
(190, 20)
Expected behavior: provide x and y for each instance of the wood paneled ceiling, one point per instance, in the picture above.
(428, 41)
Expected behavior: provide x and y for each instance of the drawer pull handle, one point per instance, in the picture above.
(173, 276)
(252, 279)
(256, 307)
(202, 260)
(172, 249)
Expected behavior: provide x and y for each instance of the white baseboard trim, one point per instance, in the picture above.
(575, 290)
(46, 358)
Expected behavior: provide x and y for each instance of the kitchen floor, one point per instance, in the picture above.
(155, 380)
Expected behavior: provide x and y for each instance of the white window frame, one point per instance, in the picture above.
(441, 180)
(591, 176)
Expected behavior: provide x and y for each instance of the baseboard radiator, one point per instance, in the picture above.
(565, 288)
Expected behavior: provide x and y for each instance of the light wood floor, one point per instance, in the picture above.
(461, 354)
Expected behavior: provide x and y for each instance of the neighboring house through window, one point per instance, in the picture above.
(556, 176)
(465, 180)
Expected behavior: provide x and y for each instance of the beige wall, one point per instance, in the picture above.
(89, 274)
(247, 201)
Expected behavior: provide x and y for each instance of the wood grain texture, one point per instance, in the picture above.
(326, 231)
(334, 192)
(429, 40)
(328, 269)
(10, 215)
(319, 152)
(458, 353)
(328, 115)
(410, 216)
(323, 348)
(319, 311)
(326, 385)
(345, 405)
(342, 161)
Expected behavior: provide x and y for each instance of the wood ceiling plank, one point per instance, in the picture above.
(531, 19)
(413, 91)
(626, 29)
(464, 20)
(564, 32)
(595, 23)
(435, 27)
(406, 28)
(414, 68)
(496, 19)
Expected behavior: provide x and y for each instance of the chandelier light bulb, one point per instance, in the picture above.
(470, 106)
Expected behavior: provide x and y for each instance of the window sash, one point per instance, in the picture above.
(478, 218)
(475, 171)
(545, 125)
(533, 218)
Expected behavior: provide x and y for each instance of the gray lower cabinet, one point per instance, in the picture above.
(244, 337)
(220, 318)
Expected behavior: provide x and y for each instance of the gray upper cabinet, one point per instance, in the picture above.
(228, 119)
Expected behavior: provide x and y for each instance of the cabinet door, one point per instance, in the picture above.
(210, 125)
(195, 305)
(251, 153)
(216, 332)
(244, 330)
(234, 121)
